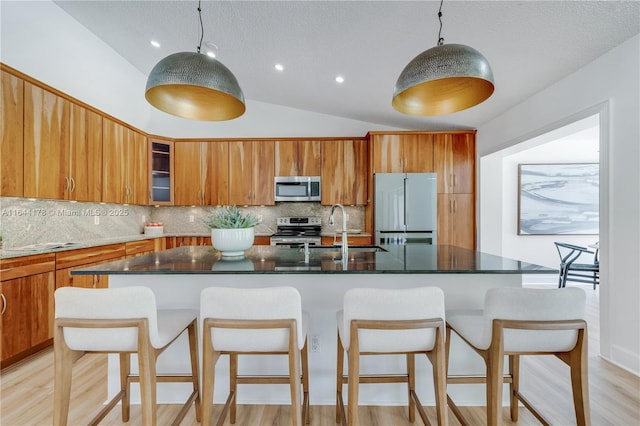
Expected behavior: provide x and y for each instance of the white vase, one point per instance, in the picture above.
(232, 242)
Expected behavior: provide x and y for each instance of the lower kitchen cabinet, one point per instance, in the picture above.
(139, 248)
(456, 220)
(66, 261)
(173, 242)
(27, 285)
(354, 240)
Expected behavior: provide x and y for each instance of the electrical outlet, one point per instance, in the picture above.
(259, 217)
(96, 220)
(314, 343)
(347, 217)
(191, 218)
(144, 218)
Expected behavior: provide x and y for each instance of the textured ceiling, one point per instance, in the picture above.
(529, 44)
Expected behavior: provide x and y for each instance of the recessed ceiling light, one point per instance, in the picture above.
(279, 67)
(155, 43)
(340, 79)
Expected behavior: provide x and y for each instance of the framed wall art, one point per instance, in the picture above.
(558, 199)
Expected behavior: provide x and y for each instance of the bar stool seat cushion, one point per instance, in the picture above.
(380, 304)
(526, 304)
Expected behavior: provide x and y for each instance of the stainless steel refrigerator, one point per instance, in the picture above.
(405, 208)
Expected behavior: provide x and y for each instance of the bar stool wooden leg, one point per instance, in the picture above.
(62, 382)
(233, 385)
(195, 373)
(147, 368)
(354, 376)
(495, 365)
(514, 387)
(125, 385)
(305, 384)
(339, 381)
(577, 360)
(439, 365)
(411, 385)
(209, 360)
(294, 381)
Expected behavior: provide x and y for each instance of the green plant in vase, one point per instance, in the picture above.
(231, 231)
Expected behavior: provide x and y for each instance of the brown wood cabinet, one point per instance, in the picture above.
(455, 163)
(344, 172)
(456, 220)
(297, 158)
(201, 173)
(356, 240)
(12, 141)
(402, 153)
(67, 261)
(173, 242)
(251, 172)
(27, 285)
(139, 248)
(85, 155)
(46, 143)
(124, 160)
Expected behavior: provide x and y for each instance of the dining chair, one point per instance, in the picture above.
(571, 270)
(123, 321)
(385, 322)
(522, 321)
(257, 321)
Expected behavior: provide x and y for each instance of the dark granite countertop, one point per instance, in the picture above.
(423, 259)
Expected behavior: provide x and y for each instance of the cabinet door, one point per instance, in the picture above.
(417, 153)
(456, 220)
(241, 172)
(286, 158)
(188, 176)
(11, 128)
(114, 162)
(137, 190)
(263, 173)
(216, 173)
(46, 143)
(28, 315)
(355, 172)
(387, 154)
(161, 172)
(454, 158)
(309, 158)
(333, 174)
(85, 155)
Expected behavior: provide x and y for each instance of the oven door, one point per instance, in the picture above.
(295, 241)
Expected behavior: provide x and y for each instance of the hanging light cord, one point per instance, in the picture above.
(202, 26)
(440, 38)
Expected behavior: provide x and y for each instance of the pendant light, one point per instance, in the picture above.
(195, 86)
(444, 79)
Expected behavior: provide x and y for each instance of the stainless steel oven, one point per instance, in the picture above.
(296, 231)
(297, 188)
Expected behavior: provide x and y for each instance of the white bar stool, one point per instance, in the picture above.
(261, 321)
(384, 322)
(124, 321)
(520, 321)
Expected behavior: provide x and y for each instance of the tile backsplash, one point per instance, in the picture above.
(31, 221)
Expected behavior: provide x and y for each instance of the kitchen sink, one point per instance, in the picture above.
(354, 249)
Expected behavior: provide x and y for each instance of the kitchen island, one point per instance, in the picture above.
(322, 275)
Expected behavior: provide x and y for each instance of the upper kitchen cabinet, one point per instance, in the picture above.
(201, 173)
(344, 172)
(124, 155)
(251, 172)
(161, 172)
(454, 158)
(402, 153)
(46, 144)
(297, 158)
(62, 148)
(11, 144)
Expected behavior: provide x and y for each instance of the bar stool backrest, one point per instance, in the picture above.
(108, 303)
(252, 304)
(534, 305)
(396, 304)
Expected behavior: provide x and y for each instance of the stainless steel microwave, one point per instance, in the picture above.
(297, 188)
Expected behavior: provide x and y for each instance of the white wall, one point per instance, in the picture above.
(575, 143)
(609, 85)
(41, 40)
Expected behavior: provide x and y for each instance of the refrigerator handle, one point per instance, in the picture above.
(404, 198)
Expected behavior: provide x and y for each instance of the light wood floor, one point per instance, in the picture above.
(27, 394)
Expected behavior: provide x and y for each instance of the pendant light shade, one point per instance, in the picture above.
(444, 79)
(195, 86)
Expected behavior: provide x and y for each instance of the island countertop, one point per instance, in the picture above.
(419, 259)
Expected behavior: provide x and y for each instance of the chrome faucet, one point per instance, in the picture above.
(345, 246)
